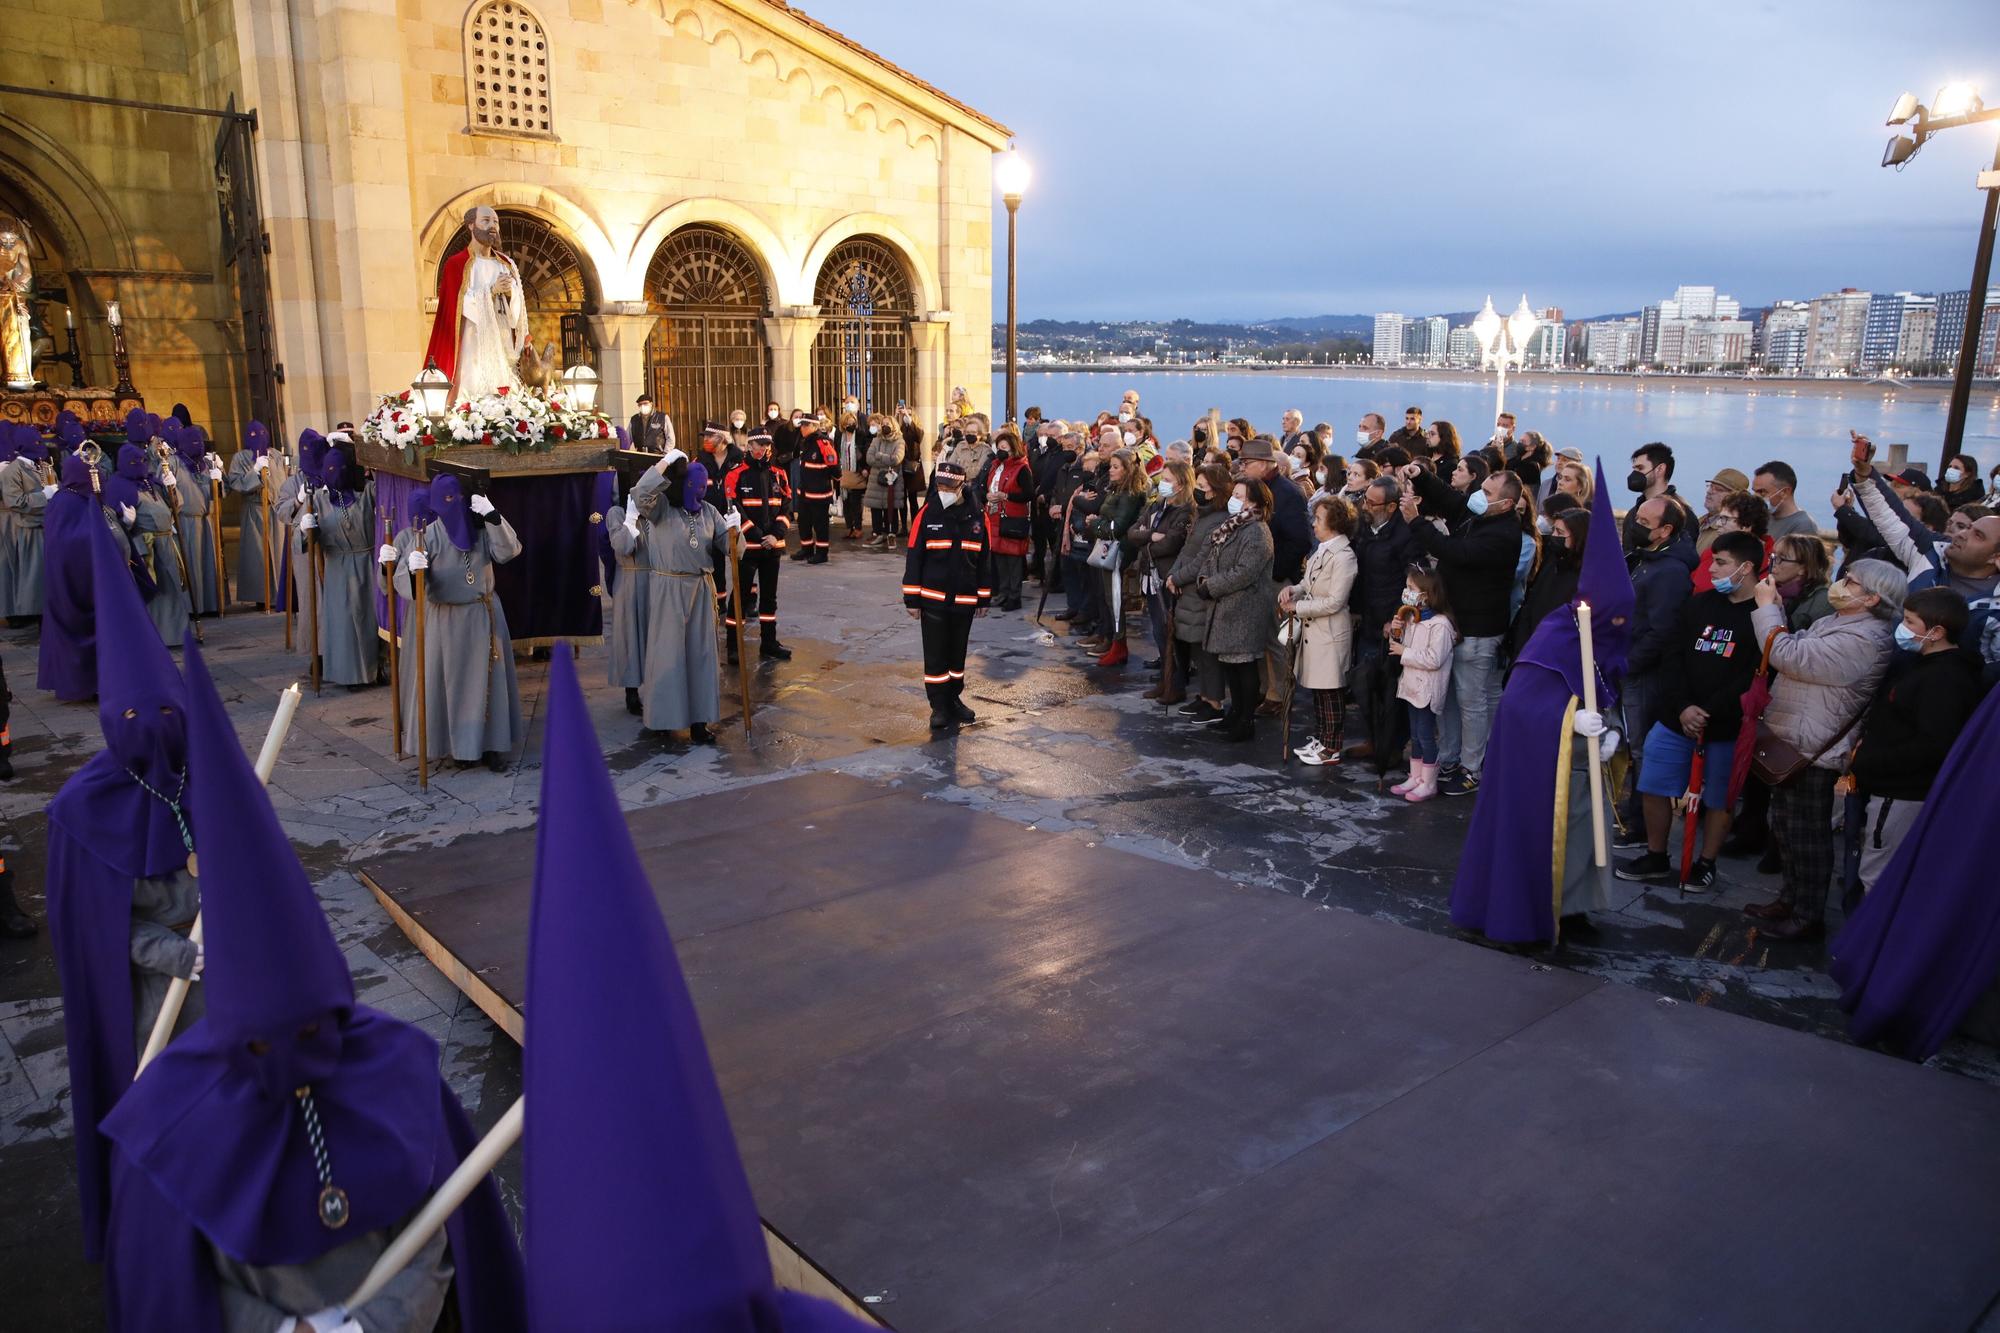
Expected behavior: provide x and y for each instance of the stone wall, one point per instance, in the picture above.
(129, 194)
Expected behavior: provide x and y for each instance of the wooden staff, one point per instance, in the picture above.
(313, 572)
(457, 1188)
(180, 549)
(395, 675)
(1599, 843)
(270, 563)
(423, 718)
(742, 632)
(177, 989)
(215, 527)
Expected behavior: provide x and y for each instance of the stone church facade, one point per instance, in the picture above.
(721, 201)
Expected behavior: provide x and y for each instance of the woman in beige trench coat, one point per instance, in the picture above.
(1319, 600)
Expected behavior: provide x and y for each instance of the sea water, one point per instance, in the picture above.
(1709, 428)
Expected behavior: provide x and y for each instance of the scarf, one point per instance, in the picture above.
(1230, 526)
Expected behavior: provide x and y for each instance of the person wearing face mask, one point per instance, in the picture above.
(1232, 576)
(758, 492)
(1368, 441)
(1967, 561)
(652, 431)
(1048, 455)
(1822, 682)
(1384, 549)
(1554, 583)
(1741, 512)
(1662, 569)
(947, 583)
(819, 473)
(914, 479)
(1010, 495)
(885, 479)
(850, 442)
(1193, 665)
(1700, 686)
(1960, 484)
(1478, 558)
(1652, 476)
(322, 1125)
(972, 451)
(1157, 539)
(1320, 599)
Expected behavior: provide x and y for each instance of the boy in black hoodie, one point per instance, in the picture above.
(1703, 675)
(1928, 698)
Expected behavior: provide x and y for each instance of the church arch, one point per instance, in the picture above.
(864, 349)
(708, 353)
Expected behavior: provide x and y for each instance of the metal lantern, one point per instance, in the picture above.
(432, 391)
(580, 388)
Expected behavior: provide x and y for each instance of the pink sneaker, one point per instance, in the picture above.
(1411, 782)
(1426, 789)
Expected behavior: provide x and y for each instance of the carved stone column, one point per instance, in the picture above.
(790, 334)
(621, 332)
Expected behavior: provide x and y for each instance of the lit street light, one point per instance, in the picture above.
(1956, 104)
(1011, 175)
(1503, 342)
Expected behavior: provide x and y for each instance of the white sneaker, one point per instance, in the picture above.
(1308, 752)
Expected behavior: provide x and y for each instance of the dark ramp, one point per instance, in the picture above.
(1005, 1080)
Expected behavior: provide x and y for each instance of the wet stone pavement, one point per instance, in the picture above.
(1060, 746)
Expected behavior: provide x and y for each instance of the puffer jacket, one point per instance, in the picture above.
(1826, 676)
(1235, 577)
(1662, 581)
(885, 470)
(1191, 608)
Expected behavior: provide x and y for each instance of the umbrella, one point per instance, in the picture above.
(1755, 700)
(1690, 804)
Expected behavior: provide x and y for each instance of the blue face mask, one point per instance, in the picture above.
(1908, 641)
(1725, 586)
(1476, 502)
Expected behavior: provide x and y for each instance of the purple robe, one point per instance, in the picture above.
(1924, 944)
(624, 1110)
(68, 661)
(1505, 885)
(212, 1145)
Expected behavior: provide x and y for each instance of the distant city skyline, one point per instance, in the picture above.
(1417, 156)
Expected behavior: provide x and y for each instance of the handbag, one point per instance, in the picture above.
(1105, 553)
(1016, 528)
(1776, 761)
(1290, 631)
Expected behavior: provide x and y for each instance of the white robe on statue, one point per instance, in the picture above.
(489, 341)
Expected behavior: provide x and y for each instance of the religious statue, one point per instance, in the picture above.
(17, 280)
(481, 320)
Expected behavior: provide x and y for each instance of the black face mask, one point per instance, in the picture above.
(1635, 482)
(1204, 501)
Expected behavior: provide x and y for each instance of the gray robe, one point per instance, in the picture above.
(7, 561)
(472, 702)
(1586, 886)
(288, 503)
(162, 910)
(350, 643)
(678, 551)
(197, 534)
(406, 675)
(21, 485)
(152, 531)
(245, 480)
(260, 1300)
(626, 666)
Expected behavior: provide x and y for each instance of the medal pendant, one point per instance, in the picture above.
(468, 578)
(333, 1210)
(193, 873)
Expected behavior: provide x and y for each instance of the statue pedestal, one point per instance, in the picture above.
(100, 409)
(588, 456)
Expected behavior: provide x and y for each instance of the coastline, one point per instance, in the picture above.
(1985, 393)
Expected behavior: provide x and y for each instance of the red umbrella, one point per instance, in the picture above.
(1755, 700)
(1690, 805)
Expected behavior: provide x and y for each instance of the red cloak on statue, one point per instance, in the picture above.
(443, 351)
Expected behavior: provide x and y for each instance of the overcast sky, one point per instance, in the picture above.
(1298, 157)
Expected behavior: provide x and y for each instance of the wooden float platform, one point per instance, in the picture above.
(996, 1078)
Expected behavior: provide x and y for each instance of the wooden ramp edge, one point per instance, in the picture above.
(792, 1268)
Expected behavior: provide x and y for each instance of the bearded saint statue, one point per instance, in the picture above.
(17, 281)
(481, 319)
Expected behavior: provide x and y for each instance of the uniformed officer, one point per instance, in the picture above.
(947, 581)
(819, 471)
(760, 493)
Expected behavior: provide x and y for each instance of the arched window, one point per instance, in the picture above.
(864, 349)
(507, 89)
(556, 288)
(708, 354)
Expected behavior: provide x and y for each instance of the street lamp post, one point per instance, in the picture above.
(1503, 342)
(1956, 104)
(1012, 177)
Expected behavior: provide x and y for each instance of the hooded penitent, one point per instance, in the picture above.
(312, 454)
(68, 661)
(289, 1120)
(625, 1124)
(256, 439)
(1510, 874)
(421, 511)
(693, 487)
(1924, 944)
(106, 830)
(192, 446)
(70, 433)
(29, 446)
(133, 468)
(454, 511)
(337, 474)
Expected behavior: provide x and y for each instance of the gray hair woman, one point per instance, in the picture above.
(1825, 677)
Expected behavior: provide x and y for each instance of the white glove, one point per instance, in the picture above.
(732, 521)
(200, 961)
(1588, 723)
(168, 477)
(1608, 746)
(308, 521)
(418, 560)
(215, 473)
(632, 519)
(129, 514)
(480, 504)
(263, 463)
(49, 491)
(326, 1321)
(385, 554)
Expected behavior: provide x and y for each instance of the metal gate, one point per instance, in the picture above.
(245, 246)
(707, 355)
(864, 350)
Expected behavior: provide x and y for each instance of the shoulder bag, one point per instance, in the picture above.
(1777, 762)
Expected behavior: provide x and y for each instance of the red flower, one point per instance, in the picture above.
(486, 439)
(556, 432)
(521, 427)
(502, 390)
(403, 397)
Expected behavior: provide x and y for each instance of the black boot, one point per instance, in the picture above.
(774, 650)
(14, 923)
(7, 762)
(633, 705)
(700, 734)
(496, 762)
(803, 553)
(941, 718)
(961, 712)
(732, 648)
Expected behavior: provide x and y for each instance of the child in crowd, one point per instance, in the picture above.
(1422, 637)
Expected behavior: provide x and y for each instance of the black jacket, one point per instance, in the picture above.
(1047, 465)
(1553, 587)
(819, 466)
(762, 495)
(1662, 581)
(1711, 663)
(948, 566)
(784, 441)
(1291, 531)
(1477, 559)
(1911, 725)
(1384, 559)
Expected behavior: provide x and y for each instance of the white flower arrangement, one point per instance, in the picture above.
(513, 421)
